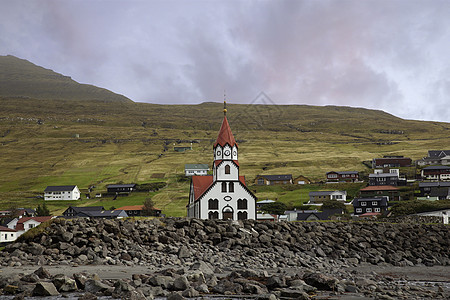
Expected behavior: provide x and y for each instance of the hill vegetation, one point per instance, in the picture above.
(50, 140)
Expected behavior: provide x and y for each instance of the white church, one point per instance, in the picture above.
(224, 194)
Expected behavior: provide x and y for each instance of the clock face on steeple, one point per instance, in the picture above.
(234, 153)
(227, 152)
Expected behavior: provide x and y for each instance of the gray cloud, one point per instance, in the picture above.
(389, 55)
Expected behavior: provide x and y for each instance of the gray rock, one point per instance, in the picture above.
(45, 289)
(43, 273)
(294, 294)
(321, 281)
(175, 296)
(95, 286)
(180, 284)
(190, 293)
(184, 252)
(64, 284)
(160, 280)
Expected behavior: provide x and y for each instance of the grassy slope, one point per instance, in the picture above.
(124, 142)
(20, 78)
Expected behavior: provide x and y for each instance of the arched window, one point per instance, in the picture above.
(242, 215)
(213, 204)
(224, 187)
(213, 215)
(227, 169)
(231, 187)
(242, 203)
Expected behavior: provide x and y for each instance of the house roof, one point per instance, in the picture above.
(85, 208)
(202, 183)
(225, 135)
(196, 166)
(370, 214)
(218, 162)
(3, 228)
(130, 207)
(383, 200)
(379, 188)
(37, 219)
(60, 188)
(438, 153)
(383, 175)
(344, 172)
(277, 177)
(437, 168)
(434, 184)
(104, 213)
(121, 185)
(265, 201)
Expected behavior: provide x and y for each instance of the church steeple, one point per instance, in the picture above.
(225, 148)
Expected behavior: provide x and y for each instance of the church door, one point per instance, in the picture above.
(228, 215)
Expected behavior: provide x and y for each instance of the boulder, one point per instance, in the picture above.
(45, 289)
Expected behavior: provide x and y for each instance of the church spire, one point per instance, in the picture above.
(225, 135)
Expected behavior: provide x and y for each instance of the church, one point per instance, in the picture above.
(224, 194)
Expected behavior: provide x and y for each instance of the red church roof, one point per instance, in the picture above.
(202, 183)
(380, 188)
(225, 135)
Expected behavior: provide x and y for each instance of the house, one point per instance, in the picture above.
(386, 177)
(436, 173)
(391, 162)
(381, 190)
(7, 234)
(370, 205)
(196, 169)
(120, 188)
(344, 176)
(301, 180)
(261, 203)
(435, 157)
(273, 179)
(103, 214)
(267, 217)
(224, 194)
(435, 190)
(312, 215)
(136, 210)
(26, 223)
(62, 192)
(442, 213)
(321, 196)
(73, 211)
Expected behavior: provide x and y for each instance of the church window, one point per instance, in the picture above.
(227, 169)
(231, 187)
(213, 215)
(224, 187)
(213, 204)
(242, 215)
(242, 203)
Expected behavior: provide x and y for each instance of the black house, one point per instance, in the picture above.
(370, 205)
(73, 211)
(440, 189)
(120, 188)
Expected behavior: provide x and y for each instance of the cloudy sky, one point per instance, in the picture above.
(392, 55)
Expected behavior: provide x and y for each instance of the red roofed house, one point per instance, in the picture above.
(381, 190)
(223, 195)
(7, 234)
(23, 224)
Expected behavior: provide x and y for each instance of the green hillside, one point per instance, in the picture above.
(21, 78)
(95, 143)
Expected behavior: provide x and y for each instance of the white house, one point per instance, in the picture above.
(196, 169)
(7, 234)
(20, 225)
(223, 195)
(62, 192)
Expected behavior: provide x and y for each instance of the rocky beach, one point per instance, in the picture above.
(178, 258)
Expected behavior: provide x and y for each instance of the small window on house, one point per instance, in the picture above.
(30, 225)
(213, 204)
(374, 203)
(377, 209)
(363, 203)
(212, 215)
(224, 187)
(231, 187)
(227, 169)
(358, 210)
(242, 215)
(368, 209)
(242, 203)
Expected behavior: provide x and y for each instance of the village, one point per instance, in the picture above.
(226, 195)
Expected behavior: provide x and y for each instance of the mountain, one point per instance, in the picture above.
(21, 78)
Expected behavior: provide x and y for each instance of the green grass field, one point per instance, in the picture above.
(133, 143)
